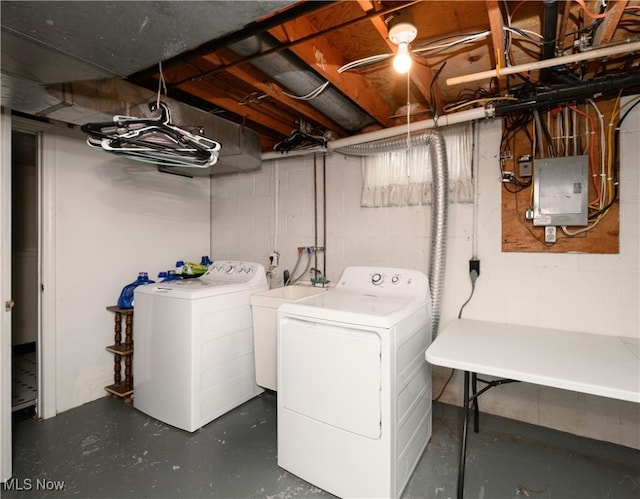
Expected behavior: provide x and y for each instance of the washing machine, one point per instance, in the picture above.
(354, 389)
(193, 358)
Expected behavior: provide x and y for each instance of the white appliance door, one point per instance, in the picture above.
(332, 374)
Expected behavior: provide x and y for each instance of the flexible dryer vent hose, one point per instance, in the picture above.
(439, 208)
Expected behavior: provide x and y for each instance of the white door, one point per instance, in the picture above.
(5, 297)
(332, 374)
(46, 306)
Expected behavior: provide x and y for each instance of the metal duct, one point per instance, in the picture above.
(286, 68)
(439, 208)
(100, 100)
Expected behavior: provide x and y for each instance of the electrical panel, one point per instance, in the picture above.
(561, 189)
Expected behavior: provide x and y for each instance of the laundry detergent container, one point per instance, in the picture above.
(264, 306)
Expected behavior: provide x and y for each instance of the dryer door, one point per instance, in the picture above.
(331, 374)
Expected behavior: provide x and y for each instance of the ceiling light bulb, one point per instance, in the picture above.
(402, 60)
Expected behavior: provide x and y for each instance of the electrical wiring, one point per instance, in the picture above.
(580, 231)
(603, 149)
(578, 128)
(631, 104)
(474, 276)
(454, 106)
(311, 95)
(512, 125)
(515, 9)
(446, 383)
(589, 27)
(614, 143)
(364, 61)
(606, 185)
(586, 10)
(591, 151)
(525, 34)
(612, 148)
(481, 34)
(441, 48)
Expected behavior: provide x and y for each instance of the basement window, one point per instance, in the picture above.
(403, 177)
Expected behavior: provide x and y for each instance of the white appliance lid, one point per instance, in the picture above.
(356, 309)
(370, 296)
(223, 277)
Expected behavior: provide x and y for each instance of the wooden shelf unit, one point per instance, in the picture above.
(122, 351)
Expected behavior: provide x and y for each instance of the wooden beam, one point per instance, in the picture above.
(210, 94)
(496, 23)
(566, 15)
(605, 32)
(420, 75)
(254, 77)
(325, 59)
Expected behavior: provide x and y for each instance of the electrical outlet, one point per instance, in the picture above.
(275, 259)
(474, 264)
(525, 169)
(525, 166)
(550, 234)
(507, 177)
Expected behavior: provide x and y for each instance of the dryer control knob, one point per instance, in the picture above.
(377, 279)
(230, 269)
(395, 279)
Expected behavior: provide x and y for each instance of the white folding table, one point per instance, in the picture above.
(597, 364)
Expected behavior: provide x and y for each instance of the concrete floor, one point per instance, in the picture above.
(108, 449)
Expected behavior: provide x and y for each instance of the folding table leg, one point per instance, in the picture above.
(476, 409)
(463, 443)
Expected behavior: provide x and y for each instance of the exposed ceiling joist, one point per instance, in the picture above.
(243, 61)
(268, 87)
(322, 57)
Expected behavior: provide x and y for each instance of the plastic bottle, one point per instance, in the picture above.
(126, 295)
(171, 276)
(179, 267)
(162, 276)
(205, 261)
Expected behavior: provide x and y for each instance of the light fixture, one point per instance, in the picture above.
(402, 33)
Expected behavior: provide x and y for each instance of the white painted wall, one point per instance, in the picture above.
(113, 217)
(591, 293)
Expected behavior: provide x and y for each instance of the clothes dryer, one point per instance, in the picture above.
(193, 358)
(354, 389)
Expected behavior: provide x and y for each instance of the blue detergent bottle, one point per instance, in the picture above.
(171, 276)
(126, 296)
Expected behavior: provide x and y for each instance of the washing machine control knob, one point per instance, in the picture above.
(230, 269)
(377, 279)
(395, 279)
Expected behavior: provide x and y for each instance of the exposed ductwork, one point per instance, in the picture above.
(100, 100)
(293, 74)
(439, 209)
(94, 44)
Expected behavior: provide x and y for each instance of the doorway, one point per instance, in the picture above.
(24, 276)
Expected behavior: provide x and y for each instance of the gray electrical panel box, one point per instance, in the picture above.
(561, 191)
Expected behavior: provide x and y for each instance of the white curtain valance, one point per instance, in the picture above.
(403, 177)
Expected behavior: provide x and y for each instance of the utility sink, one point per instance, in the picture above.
(264, 306)
(277, 296)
